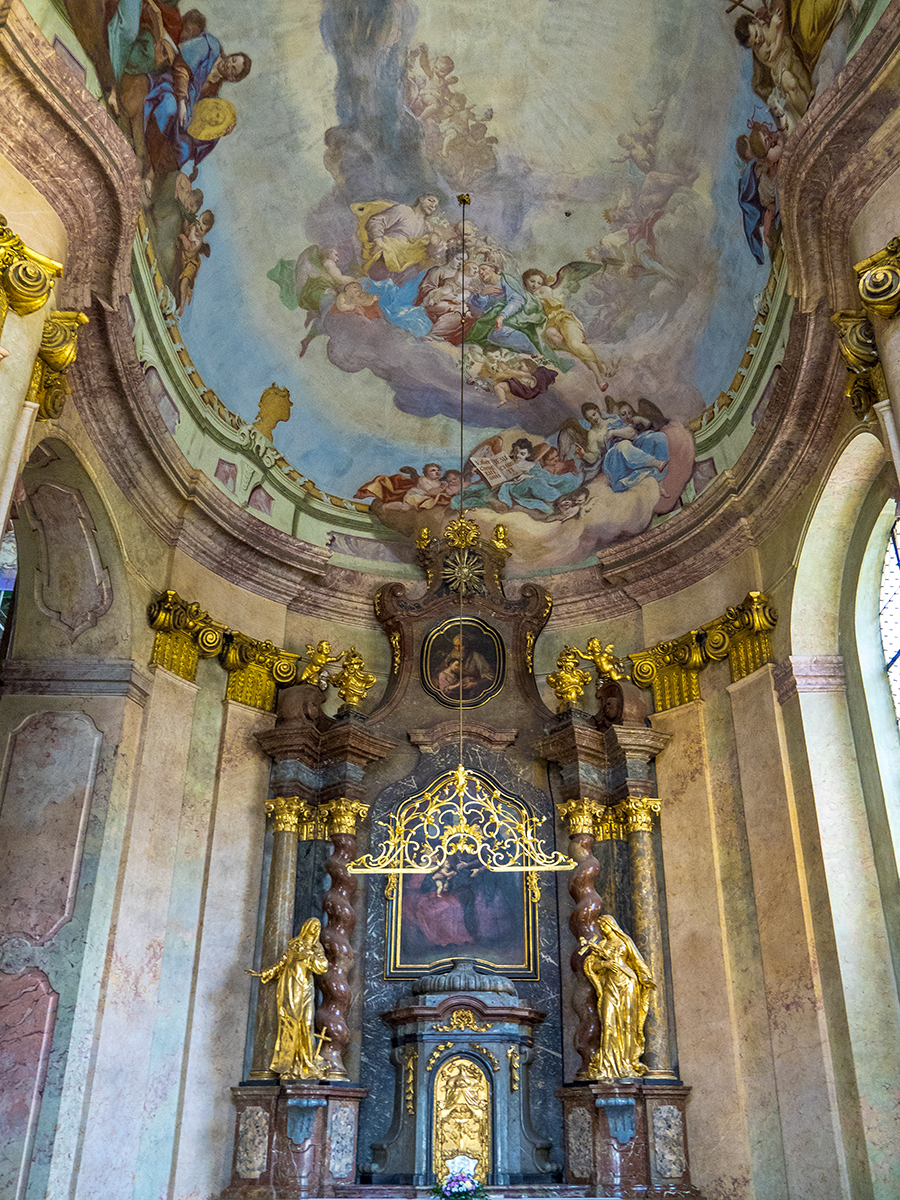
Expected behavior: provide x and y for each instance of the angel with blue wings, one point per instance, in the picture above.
(563, 330)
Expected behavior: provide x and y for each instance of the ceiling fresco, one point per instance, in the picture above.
(301, 165)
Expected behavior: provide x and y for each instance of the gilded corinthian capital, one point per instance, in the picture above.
(640, 810)
(343, 815)
(580, 814)
(288, 811)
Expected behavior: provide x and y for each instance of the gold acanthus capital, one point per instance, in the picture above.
(26, 277)
(581, 814)
(288, 812)
(640, 810)
(878, 280)
(343, 814)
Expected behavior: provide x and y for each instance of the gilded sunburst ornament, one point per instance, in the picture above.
(463, 572)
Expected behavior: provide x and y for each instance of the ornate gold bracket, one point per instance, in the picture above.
(878, 279)
(48, 387)
(256, 670)
(865, 378)
(26, 277)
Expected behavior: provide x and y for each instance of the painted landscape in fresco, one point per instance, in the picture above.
(300, 171)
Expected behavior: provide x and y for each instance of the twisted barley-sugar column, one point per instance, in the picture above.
(647, 929)
(279, 923)
(331, 1014)
(583, 921)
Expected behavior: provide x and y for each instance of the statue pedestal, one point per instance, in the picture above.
(627, 1139)
(293, 1141)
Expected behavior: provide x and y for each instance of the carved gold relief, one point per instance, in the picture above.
(461, 533)
(514, 1062)
(256, 670)
(865, 377)
(26, 277)
(569, 680)
(58, 349)
(461, 1018)
(462, 1117)
(500, 539)
(742, 634)
(412, 1058)
(184, 634)
(529, 652)
(353, 681)
(879, 280)
(611, 825)
(437, 1052)
(395, 653)
(488, 1054)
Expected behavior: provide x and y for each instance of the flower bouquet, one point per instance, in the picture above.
(459, 1187)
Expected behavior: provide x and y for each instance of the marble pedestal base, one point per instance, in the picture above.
(627, 1139)
(293, 1141)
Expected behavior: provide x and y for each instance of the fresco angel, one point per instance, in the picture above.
(563, 330)
(310, 283)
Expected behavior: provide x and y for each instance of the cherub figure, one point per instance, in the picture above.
(191, 245)
(569, 680)
(607, 665)
(563, 330)
(353, 681)
(318, 658)
(777, 64)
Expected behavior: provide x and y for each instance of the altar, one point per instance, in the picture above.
(462, 959)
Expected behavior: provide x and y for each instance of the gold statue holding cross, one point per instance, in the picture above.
(298, 1050)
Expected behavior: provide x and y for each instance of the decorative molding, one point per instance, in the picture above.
(430, 740)
(611, 824)
(76, 677)
(581, 814)
(818, 673)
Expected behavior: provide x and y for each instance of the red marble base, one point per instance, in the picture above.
(627, 1139)
(293, 1141)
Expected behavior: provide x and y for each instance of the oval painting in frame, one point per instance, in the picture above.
(463, 663)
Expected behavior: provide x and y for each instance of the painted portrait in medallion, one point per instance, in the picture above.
(463, 663)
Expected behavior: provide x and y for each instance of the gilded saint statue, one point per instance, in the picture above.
(296, 1053)
(623, 983)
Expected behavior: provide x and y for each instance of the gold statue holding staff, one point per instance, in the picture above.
(623, 983)
(296, 1052)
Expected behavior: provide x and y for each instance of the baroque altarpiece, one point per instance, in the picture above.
(462, 958)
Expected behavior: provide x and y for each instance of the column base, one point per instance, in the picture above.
(628, 1139)
(293, 1141)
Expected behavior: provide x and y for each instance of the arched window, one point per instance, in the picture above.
(889, 614)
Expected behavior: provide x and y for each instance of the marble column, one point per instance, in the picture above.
(331, 1014)
(278, 928)
(641, 745)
